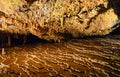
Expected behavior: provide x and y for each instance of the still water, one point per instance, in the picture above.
(91, 57)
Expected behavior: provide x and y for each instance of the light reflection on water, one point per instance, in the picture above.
(95, 57)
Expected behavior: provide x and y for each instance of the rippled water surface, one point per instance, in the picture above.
(92, 57)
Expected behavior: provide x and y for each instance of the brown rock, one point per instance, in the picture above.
(59, 19)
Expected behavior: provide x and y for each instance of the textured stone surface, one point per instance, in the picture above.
(95, 57)
(59, 19)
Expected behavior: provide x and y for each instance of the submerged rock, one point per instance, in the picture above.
(59, 19)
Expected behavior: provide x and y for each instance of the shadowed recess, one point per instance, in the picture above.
(30, 1)
(7, 40)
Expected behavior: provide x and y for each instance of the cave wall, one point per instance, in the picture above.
(59, 19)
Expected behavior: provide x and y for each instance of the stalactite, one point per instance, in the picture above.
(24, 39)
(9, 40)
(16, 36)
(3, 40)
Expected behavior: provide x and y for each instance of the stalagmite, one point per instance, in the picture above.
(3, 51)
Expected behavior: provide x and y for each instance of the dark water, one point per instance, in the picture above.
(92, 57)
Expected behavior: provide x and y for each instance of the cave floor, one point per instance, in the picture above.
(92, 57)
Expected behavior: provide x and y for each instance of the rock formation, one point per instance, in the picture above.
(59, 19)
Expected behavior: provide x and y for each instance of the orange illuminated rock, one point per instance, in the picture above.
(58, 19)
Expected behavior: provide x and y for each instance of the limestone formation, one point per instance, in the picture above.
(59, 19)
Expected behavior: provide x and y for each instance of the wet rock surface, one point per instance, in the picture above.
(91, 57)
